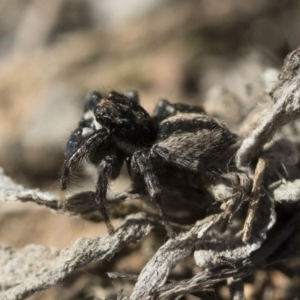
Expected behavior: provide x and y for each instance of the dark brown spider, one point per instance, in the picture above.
(115, 129)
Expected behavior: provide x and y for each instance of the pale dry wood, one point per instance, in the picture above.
(286, 108)
(41, 270)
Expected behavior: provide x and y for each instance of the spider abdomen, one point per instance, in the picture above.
(195, 137)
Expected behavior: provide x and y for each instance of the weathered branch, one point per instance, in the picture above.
(155, 273)
(39, 273)
(277, 237)
(286, 109)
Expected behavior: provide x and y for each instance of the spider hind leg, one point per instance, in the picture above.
(109, 169)
(143, 161)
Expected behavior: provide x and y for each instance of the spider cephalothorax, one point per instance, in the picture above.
(115, 128)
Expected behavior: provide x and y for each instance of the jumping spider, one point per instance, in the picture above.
(116, 129)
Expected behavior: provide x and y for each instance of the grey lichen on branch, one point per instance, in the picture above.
(37, 272)
(10, 192)
(286, 95)
(155, 273)
(122, 203)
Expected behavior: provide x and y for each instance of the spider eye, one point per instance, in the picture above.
(106, 120)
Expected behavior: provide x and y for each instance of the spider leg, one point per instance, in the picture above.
(73, 160)
(143, 161)
(165, 109)
(109, 169)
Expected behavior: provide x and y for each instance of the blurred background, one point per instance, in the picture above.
(221, 54)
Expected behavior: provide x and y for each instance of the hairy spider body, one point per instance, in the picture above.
(116, 128)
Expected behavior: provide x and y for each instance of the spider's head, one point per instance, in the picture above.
(119, 115)
(116, 110)
(124, 117)
(109, 124)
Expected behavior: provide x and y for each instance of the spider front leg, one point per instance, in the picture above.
(75, 157)
(109, 169)
(143, 161)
